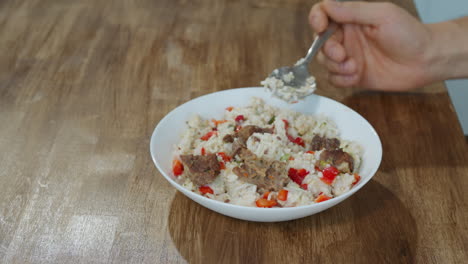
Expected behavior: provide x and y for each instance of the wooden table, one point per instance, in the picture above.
(83, 84)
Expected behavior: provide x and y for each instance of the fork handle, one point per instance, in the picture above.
(319, 41)
(322, 38)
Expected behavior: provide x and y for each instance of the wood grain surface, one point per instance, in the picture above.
(83, 84)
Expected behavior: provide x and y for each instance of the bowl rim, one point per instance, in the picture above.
(338, 199)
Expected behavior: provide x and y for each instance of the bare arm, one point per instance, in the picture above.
(449, 52)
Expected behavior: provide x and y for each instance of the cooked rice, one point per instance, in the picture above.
(280, 88)
(228, 188)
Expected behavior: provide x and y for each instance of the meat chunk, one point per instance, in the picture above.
(236, 147)
(319, 143)
(202, 169)
(245, 132)
(343, 161)
(228, 138)
(246, 155)
(267, 175)
(243, 135)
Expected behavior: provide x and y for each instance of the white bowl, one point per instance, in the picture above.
(351, 125)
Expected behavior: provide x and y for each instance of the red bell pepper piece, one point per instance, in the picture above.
(321, 198)
(208, 135)
(297, 176)
(205, 189)
(329, 174)
(262, 202)
(357, 178)
(218, 122)
(225, 157)
(283, 195)
(177, 167)
(240, 118)
(298, 140)
(222, 166)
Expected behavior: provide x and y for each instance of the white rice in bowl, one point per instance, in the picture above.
(286, 159)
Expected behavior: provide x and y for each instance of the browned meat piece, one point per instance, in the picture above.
(245, 132)
(256, 139)
(228, 139)
(202, 169)
(246, 154)
(319, 143)
(267, 175)
(243, 135)
(236, 147)
(338, 158)
(277, 173)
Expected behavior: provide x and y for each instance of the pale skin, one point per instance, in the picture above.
(380, 46)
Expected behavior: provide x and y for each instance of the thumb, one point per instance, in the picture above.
(356, 12)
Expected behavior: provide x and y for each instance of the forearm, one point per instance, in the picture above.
(448, 53)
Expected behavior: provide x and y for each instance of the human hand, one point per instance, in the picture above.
(379, 46)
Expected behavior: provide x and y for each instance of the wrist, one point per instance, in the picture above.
(436, 57)
(447, 54)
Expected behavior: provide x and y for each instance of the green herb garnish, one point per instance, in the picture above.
(285, 157)
(271, 120)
